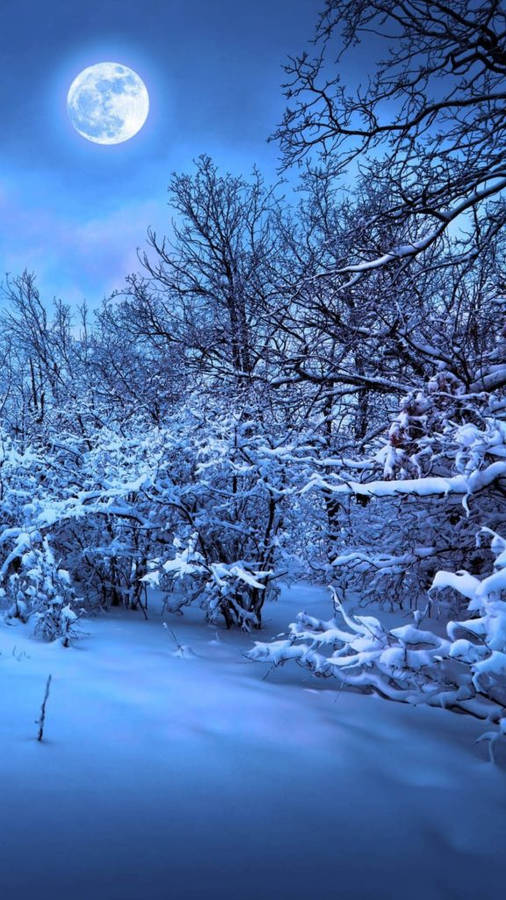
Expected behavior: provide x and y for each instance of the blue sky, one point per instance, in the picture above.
(75, 212)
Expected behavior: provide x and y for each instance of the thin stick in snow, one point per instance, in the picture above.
(170, 631)
(42, 720)
(182, 649)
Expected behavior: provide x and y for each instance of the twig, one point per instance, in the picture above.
(41, 722)
(170, 631)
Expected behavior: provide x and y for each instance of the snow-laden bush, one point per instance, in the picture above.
(441, 469)
(464, 670)
(220, 482)
(232, 590)
(40, 591)
(230, 511)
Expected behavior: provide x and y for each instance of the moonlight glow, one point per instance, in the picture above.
(108, 103)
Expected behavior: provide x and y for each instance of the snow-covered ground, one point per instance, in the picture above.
(194, 776)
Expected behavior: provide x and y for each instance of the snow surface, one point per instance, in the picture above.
(167, 773)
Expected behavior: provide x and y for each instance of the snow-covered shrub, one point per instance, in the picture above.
(219, 482)
(440, 471)
(231, 590)
(42, 592)
(464, 670)
(229, 509)
(480, 640)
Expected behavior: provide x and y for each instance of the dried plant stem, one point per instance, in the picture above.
(42, 720)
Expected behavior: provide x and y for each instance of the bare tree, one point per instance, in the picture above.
(428, 125)
(209, 285)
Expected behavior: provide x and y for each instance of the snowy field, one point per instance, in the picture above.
(194, 776)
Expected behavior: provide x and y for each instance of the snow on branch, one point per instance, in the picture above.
(421, 487)
(407, 251)
(464, 671)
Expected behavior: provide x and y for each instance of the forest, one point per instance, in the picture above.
(311, 389)
(303, 382)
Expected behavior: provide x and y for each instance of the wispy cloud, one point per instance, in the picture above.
(75, 257)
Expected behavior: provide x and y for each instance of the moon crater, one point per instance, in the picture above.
(108, 103)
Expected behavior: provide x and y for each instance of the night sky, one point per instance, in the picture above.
(74, 212)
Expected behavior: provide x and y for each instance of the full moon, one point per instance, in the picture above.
(108, 103)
